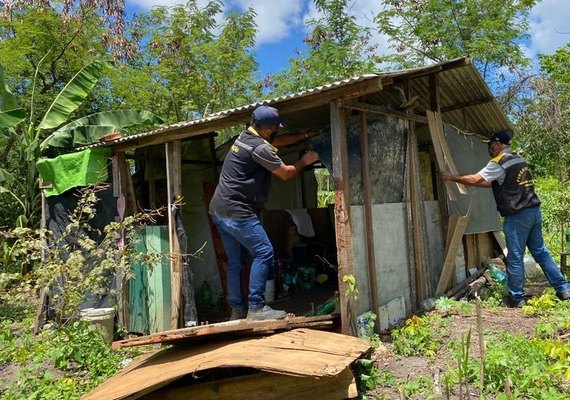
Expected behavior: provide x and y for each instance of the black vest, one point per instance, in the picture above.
(517, 191)
(244, 184)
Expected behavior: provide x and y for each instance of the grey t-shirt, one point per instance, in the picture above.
(245, 178)
(493, 171)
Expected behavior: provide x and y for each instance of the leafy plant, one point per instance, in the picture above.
(418, 336)
(539, 305)
(81, 260)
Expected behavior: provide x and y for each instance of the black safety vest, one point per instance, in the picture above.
(244, 183)
(517, 191)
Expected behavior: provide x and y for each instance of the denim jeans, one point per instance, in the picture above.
(240, 237)
(521, 230)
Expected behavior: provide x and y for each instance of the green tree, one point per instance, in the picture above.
(543, 118)
(192, 61)
(337, 48)
(489, 31)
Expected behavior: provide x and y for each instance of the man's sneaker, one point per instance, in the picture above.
(563, 295)
(508, 302)
(265, 312)
(237, 313)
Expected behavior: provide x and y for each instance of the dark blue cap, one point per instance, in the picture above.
(501, 137)
(266, 116)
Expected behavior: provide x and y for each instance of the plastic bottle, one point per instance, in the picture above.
(497, 274)
(205, 296)
(329, 306)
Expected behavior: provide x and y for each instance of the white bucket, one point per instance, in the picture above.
(100, 319)
(270, 290)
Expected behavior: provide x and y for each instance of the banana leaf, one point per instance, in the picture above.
(73, 94)
(90, 129)
(7, 99)
(11, 118)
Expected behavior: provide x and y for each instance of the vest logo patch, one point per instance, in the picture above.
(524, 177)
(234, 148)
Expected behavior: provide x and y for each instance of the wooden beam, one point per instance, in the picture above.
(265, 386)
(120, 171)
(243, 115)
(213, 158)
(467, 104)
(173, 175)
(368, 219)
(416, 205)
(356, 105)
(455, 235)
(343, 226)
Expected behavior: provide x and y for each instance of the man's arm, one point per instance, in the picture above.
(286, 172)
(292, 138)
(469, 180)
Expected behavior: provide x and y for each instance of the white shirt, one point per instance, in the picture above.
(493, 171)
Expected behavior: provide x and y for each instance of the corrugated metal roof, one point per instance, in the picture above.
(460, 86)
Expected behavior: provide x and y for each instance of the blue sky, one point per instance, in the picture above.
(282, 26)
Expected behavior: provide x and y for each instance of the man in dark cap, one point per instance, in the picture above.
(238, 201)
(508, 175)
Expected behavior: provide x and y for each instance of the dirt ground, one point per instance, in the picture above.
(496, 320)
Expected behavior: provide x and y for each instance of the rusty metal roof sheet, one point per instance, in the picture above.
(465, 101)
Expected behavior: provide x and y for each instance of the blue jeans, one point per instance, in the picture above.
(240, 237)
(521, 230)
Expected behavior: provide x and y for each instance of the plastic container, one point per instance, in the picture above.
(329, 306)
(205, 296)
(100, 319)
(269, 290)
(497, 274)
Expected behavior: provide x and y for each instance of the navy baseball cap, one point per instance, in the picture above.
(266, 116)
(501, 137)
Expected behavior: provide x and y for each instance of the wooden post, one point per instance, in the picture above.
(213, 158)
(120, 191)
(416, 203)
(342, 214)
(173, 174)
(368, 220)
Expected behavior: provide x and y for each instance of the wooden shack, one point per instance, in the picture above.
(397, 229)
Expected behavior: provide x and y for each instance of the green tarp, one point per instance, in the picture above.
(83, 168)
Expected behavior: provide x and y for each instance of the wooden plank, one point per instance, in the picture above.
(265, 386)
(501, 242)
(213, 158)
(173, 174)
(300, 352)
(439, 156)
(138, 289)
(388, 112)
(455, 236)
(120, 186)
(343, 228)
(159, 280)
(233, 327)
(471, 251)
(446, 152)
(368, 219)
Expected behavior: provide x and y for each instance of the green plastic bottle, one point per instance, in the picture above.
(497, 274)
(329, 306)
(205, 296)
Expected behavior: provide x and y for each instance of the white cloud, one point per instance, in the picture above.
(549, 26)
(275, 18)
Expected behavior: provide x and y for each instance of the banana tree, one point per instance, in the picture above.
(79, 132)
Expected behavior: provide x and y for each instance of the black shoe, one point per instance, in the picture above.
(508, 302)
(563, 295)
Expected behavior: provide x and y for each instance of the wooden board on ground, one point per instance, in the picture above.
(242, 326)
(300, 352)
(265, 386)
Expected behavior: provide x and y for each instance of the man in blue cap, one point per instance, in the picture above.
(509, 176)
(238, 201)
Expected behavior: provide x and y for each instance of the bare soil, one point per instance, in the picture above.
(406, 369)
